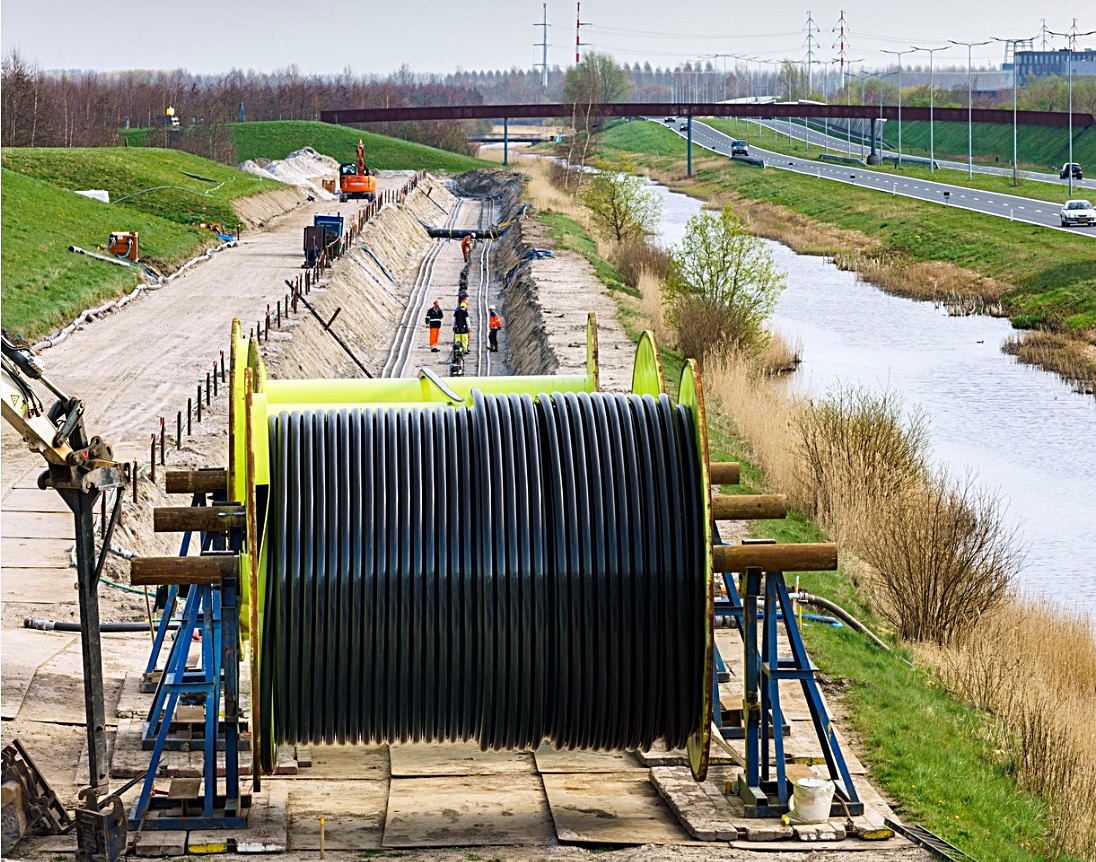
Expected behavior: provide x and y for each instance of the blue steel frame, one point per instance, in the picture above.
(212, 611)
(762, 717)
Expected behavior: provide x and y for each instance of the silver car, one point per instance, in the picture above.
(1078, 212)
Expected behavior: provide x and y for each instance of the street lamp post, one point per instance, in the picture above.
(970, 104)
(1069, 67)
(899, 55)
(863, 76)
(848, 102)
(1014, 43)
(932, 142)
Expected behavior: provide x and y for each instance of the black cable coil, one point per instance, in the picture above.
(519, 571)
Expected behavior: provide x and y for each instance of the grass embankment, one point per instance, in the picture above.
(1037, 147)
(935, 757)
(277, 139)
(154, 192)
(1035, 189)
(1038, 278)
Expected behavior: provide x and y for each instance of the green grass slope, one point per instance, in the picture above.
(170, 184)
(276, 140)
(1036, 146)
(45, 285)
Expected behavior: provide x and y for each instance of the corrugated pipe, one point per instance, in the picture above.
(106, 628)
(841, 614)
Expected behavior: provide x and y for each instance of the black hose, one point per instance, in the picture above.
(843, 615)
(106, 628)
(479, 573)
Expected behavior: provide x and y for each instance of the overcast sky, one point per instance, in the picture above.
(329, 36)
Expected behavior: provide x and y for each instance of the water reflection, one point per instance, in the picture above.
(1023, 431)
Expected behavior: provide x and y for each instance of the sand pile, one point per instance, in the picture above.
(303, 168)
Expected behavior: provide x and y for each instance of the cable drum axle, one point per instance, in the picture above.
(518, 571)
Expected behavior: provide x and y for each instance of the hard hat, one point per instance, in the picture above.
(473, 234)
(464, 303)
(490, 308)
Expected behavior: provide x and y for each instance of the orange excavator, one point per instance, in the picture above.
(356, 180)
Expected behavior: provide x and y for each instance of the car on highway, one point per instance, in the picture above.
(668, 120)
(1078, 212)
(740, 148)
(1071, 168)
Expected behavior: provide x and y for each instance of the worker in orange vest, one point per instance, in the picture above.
(434, 317)
(494, 324)
(466, 245)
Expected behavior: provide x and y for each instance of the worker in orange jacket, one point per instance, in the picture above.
(494, 324)
(466, 245)
(434, 317)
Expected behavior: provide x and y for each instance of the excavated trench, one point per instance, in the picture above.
(370, 286)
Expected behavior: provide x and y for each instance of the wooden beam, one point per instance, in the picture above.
(820, 557)
(748, 507)
(196, 481)
(208, 569)
(723, 472)
(208, 519)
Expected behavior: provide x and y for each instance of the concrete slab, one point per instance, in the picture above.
(29, 479)
(26, 500)
(610, 809)
(456, 758)
(704, 815)
(480, 810)
(58, 698)
(24, 652)
(156, 842)
(20, 553)
(266, 831)
(551, 761)
(52, 586)
(353, 813)
(659, 755)
(342, 762)
(39, 525)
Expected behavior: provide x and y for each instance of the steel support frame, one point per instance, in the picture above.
(763, 793)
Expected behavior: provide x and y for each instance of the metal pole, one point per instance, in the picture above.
(970, 103)
(83, 509)
(932, 143)
(899, 55)
(1069, 67)
(1014, 43)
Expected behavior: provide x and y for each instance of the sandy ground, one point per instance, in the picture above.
(142, 363)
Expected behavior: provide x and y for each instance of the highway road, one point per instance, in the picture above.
(1012, 207)
(839, 144)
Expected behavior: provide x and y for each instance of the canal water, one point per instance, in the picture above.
(1021, 431)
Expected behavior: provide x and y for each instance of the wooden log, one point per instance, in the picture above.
(196, 481)
(208, 569)
(208, 519)
(723, 472)
(748, 507)
(820, 557)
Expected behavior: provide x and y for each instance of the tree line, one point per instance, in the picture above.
(88, 109)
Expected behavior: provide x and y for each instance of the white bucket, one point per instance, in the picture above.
(811, 798)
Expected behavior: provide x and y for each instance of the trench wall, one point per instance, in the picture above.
(369, 286)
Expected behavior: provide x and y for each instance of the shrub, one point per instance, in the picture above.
(942, 556)
(723, 287)
(635, 256)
